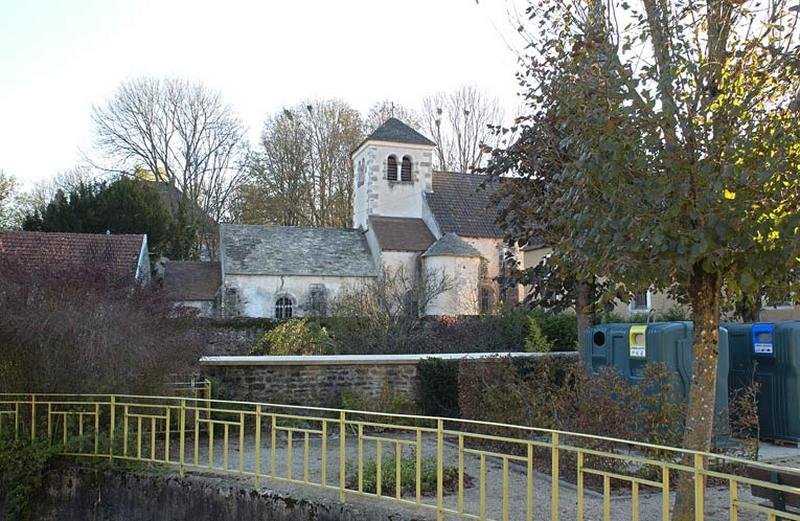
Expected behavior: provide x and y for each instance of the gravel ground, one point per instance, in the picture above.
(620, 501)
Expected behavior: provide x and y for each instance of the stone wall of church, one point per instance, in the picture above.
(256, 295)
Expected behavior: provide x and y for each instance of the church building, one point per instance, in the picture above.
(406, 217)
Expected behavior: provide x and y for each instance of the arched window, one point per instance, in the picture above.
(391, 168)
(283, 308)
(361, 172)
(405, 169)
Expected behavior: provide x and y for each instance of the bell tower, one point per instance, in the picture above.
(392, 171)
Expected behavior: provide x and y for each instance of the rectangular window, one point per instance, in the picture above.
(640, 301)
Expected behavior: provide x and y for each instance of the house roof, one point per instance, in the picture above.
(49, 250)
(401, 233)
(462, 205)
(251, 249)
(396, 131)
(190, 280)
(451, 245)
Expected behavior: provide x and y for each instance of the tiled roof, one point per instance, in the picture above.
(461, 205)
(396, 131)
(401, 233)
(48, 250)
(190, 280)
(251, 249)
(451, 245)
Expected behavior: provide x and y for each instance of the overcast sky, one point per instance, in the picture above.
(58, 58)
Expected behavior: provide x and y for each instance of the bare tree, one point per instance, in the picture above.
(182, 132)
(302, 173)
(383, 110)
(459, 123)
(8, 200)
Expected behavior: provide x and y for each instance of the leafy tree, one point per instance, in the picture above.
(681, 170)
(123, 206)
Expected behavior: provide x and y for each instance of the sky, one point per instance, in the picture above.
(58, 58)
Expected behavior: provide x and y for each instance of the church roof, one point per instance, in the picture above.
(451, 245)
(462, 205)
(252, 249)
(398, 132)
(192, 280)
(401, 233)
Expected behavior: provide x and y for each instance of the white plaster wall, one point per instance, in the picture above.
(462, 298)
(392, 261)
(258, 293)
(378, 195)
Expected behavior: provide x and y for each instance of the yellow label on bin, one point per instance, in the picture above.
(637, 340)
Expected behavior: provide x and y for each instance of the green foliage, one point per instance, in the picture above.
(536, 342)
(560, 329)
(22, 468)
(296, 336)
(124, 206)
(438, 380)
(408, 475)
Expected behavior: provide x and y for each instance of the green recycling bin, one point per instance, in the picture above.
(770, 354)
(628, 348)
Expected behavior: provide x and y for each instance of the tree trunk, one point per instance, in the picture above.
(584, 311)
(704, 292)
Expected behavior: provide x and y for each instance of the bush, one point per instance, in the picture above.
(296, 336)
(83, 330)
(560, 329)
(389, 401)
(438, 381)
(22, 468)
(536, 342)
(408, 476)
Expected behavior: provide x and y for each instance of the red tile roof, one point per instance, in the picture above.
(48, 250)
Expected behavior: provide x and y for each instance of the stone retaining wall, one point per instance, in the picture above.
(322, 380)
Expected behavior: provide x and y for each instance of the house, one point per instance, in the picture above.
(123, 257)
(406, 218)
(193, 284)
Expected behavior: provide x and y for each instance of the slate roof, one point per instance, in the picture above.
(396, 131)
(49, 250)
(462, 206)
(191, 280)
(451, 245)
(251, 249)
(401, 233)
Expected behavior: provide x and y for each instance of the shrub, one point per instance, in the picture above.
(296, 336)
(22, 468)
(560, 329)
(408, 476)
(83, 330)
(536, 342)
(438, 381)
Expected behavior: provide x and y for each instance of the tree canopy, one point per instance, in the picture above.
(126, 205)
(669, 134)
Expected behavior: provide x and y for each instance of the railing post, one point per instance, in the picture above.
(112, 426)
(342, 459)
(699, 487)
(554, 478)
(440, 469)
(33, 417)
(258, 446)
(182, 439)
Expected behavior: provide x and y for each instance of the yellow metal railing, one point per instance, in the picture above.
(482, 470)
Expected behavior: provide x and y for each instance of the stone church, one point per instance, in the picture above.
(406, 217)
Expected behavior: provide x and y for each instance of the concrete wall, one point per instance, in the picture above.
(321, 380)
(257, 294)
(74, 493)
